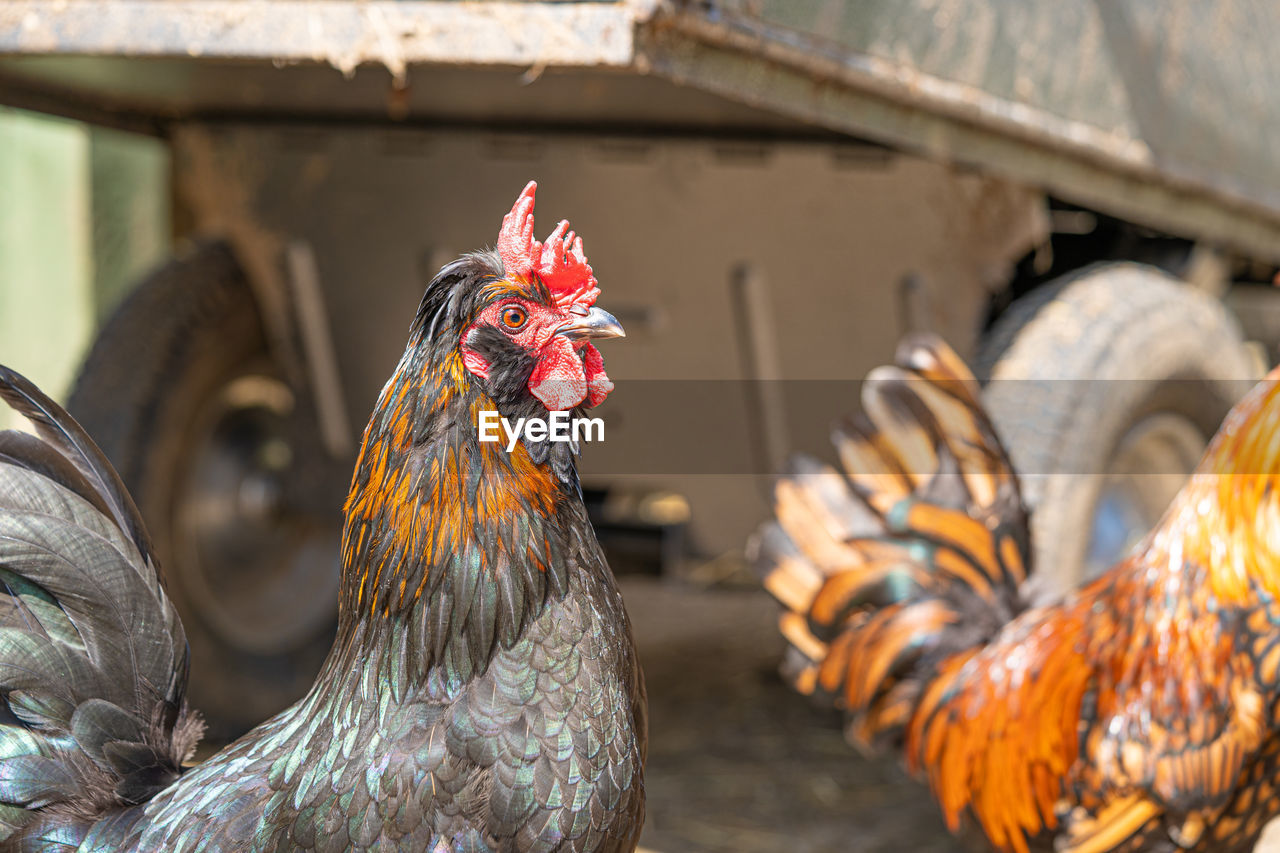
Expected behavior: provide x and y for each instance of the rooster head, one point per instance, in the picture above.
(508, 330)
(521, 318)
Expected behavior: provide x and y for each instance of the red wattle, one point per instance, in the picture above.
(559, 379)
(598, 384)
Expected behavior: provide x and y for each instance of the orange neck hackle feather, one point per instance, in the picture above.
(1227, 517)
(422, 508)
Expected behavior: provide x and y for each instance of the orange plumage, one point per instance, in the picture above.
(1140, 712)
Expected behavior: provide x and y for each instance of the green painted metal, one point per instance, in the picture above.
(131, 204)
(46, 270)
(1185, 88)
(1162, 114)
(84, 212)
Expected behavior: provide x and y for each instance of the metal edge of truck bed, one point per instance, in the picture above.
(343, 34)
(745, 58)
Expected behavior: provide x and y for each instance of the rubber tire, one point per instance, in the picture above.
(169, 343)
(1103, 323)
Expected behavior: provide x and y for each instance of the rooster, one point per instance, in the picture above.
(483, 692)
(1138, 713)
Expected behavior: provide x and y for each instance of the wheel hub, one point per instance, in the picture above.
(1149, 467)
(249, 550)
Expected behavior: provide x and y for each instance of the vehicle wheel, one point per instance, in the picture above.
(1105, 387)
(222, 457)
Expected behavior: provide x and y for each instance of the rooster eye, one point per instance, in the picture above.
(513, 318)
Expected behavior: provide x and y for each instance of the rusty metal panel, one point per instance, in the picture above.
(1050, 56)
(1184, 90)
(343, 34)
(1204, 87)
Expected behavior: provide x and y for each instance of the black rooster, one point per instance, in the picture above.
(483, 692)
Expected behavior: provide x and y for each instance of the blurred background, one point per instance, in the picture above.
(217, 218)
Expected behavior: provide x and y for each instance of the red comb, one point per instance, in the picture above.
(560, 262)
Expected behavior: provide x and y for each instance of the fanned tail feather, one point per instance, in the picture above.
(914, 554)
(93, 658)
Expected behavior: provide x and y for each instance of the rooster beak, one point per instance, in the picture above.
(594, 323)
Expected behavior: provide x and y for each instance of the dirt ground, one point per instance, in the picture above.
(737, 762)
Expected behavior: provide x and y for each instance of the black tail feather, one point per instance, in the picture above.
(93, 658)
(60, 430)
